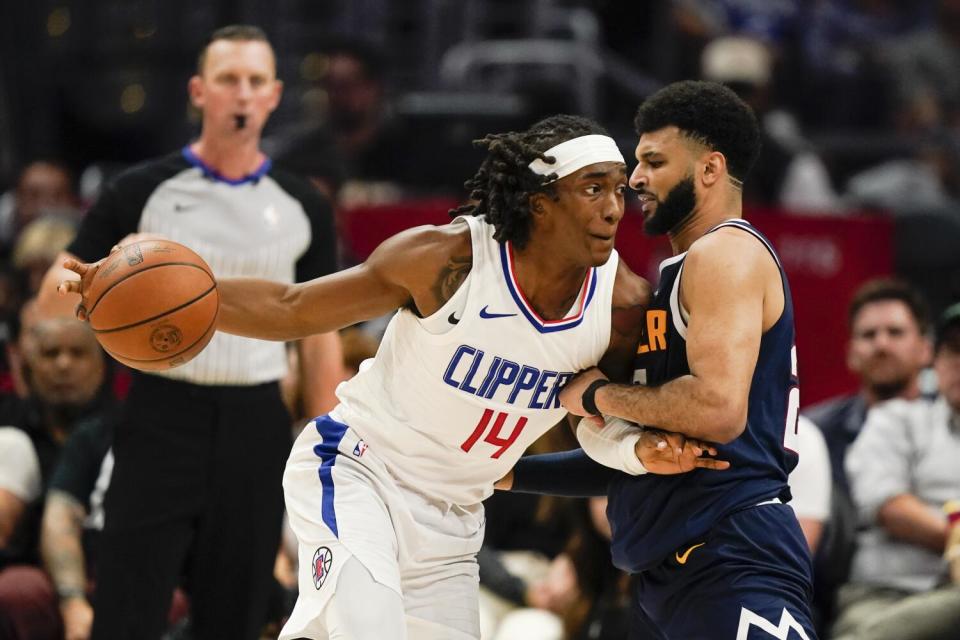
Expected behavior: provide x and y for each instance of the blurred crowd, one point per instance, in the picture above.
(860, 106)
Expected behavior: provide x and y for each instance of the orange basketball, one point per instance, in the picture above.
(153, 305)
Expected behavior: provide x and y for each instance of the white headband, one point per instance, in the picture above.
(577, 153)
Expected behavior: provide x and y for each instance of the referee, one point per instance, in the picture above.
(199, 453)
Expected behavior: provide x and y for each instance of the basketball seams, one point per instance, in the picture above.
(213, 287)
(144, 270)
(210, 328)
(159, 321)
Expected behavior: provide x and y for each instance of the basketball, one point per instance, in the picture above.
(153, 305)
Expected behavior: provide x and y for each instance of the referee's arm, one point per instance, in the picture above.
(321, 368)
(50, 304)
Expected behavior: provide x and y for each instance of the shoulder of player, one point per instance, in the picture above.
(425, 250)
(729, 255)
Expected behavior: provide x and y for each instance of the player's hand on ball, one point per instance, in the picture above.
(668, 453)
(86, 271)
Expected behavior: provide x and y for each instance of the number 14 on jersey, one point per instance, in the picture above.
(494, 435)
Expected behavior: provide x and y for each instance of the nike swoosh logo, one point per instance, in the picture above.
(682, 559)
(453, 319)
(487, 315)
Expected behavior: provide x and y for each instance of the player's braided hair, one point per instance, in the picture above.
(502, 187)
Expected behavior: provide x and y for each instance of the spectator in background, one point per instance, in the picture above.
(887, 351)
(524, 534)
(838, 56)
(44, 186)
(699, 21)
(952, 552)
(66, 375)
(926, 180)
(903, 469)
(581, 595)
(788, 173)
(72, 518)
(38, 246)
(810, 483)
(923, 66)
(16, 352)
(371, 147)
(11, 308)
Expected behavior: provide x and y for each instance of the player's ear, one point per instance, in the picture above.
(714, 167)
(537, 207)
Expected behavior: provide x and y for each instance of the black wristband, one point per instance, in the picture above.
(589, 397)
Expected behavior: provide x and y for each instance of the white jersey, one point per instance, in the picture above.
(451, 401)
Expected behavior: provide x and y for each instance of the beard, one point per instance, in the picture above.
(889, 390)
(674, 210)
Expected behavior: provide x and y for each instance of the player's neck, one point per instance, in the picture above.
(713, 208)
(233, 159)
(549, 280)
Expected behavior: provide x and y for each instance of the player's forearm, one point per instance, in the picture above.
(277, 311)
(685, 405)
(60, 543)
(49, 301)
(567, 473)
(272, 310)
(907, 518)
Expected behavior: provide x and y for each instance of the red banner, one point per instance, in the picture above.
(826, 259)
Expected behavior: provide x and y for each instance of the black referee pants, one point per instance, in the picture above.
(195, 498)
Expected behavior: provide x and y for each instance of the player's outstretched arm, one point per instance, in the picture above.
(420, 268)
(635, 450)
(725, 279)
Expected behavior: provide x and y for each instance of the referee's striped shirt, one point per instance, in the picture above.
(268, 224)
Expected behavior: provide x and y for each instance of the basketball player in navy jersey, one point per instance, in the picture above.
(718, 556)
(497, 310)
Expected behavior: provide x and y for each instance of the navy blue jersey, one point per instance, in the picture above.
(651, 515)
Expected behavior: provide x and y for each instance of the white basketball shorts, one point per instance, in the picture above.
(343, 502)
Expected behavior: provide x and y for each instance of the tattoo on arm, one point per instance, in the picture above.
(450, 278)
(60, 541)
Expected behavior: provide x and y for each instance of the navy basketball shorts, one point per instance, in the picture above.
(749, 578)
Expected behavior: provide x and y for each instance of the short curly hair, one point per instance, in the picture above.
(502, 187)
(709, 113)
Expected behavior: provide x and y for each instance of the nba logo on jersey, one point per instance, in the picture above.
(360, 448)
(322, 560)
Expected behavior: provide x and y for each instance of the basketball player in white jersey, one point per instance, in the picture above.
(497, 310)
